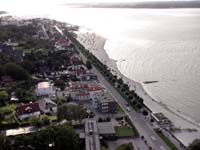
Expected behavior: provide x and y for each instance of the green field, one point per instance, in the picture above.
(127, 146)
(124, 131)
(119, 110)
(103, 148)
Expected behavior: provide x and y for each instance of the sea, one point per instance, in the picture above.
(161, 45)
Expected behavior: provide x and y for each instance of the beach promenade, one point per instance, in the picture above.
(153, 140)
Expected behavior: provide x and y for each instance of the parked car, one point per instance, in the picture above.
(128, 108)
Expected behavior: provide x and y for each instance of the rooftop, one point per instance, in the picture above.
(106, 128)
(19, 131)
(43, 85)
(27, 108)
(104, 96)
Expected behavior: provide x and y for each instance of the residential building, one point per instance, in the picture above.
(106, 129)
(13, 97)
(88, 77)
(76, 62)
(47, 106)
(104, 102)
(62, 44)
(80, 95)
(27, 111)
(44, 89)
(83, 91)
(78, 91)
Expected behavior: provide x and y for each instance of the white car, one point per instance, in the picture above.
(128, 108)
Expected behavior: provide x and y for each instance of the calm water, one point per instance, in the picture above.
(161, 45)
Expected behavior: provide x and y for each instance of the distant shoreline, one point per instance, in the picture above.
(2, 12)
(141, 5)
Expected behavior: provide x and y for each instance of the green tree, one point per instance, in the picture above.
(3, 97)
(5, 143)
(35, 121)
(28, 65)
(61, 137)
(145, 113)
(16, 71)
(46, 121)
(195, 145)
(71, 112)
(60, 84)
(88, 65)
(133, 102)
(138, 106)
(2, 116)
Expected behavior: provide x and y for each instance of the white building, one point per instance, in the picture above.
(44, 89)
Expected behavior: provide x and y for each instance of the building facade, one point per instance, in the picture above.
(44, 89)
(104, 102)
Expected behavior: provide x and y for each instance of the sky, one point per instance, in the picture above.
(17, 2)
(41, 5)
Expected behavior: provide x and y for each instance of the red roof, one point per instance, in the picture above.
(95, 88)
(80, 72)
(27, 109)
(63, 42)
(74, 86)
(78, 85)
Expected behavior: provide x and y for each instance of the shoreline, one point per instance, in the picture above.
(95, 44)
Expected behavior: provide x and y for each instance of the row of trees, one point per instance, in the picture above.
(60, 137)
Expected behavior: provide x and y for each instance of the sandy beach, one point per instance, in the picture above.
(95, 43)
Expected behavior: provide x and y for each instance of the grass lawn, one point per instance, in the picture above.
(103, 148)
(127, 146)
(51, 118)
(9, 119)
(166, 140)
(8, 108)
(124, 131)
(119, 110)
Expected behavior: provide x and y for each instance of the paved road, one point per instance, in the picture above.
(141, 125)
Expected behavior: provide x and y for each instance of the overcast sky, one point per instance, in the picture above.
(26, 5)
(14, 2)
